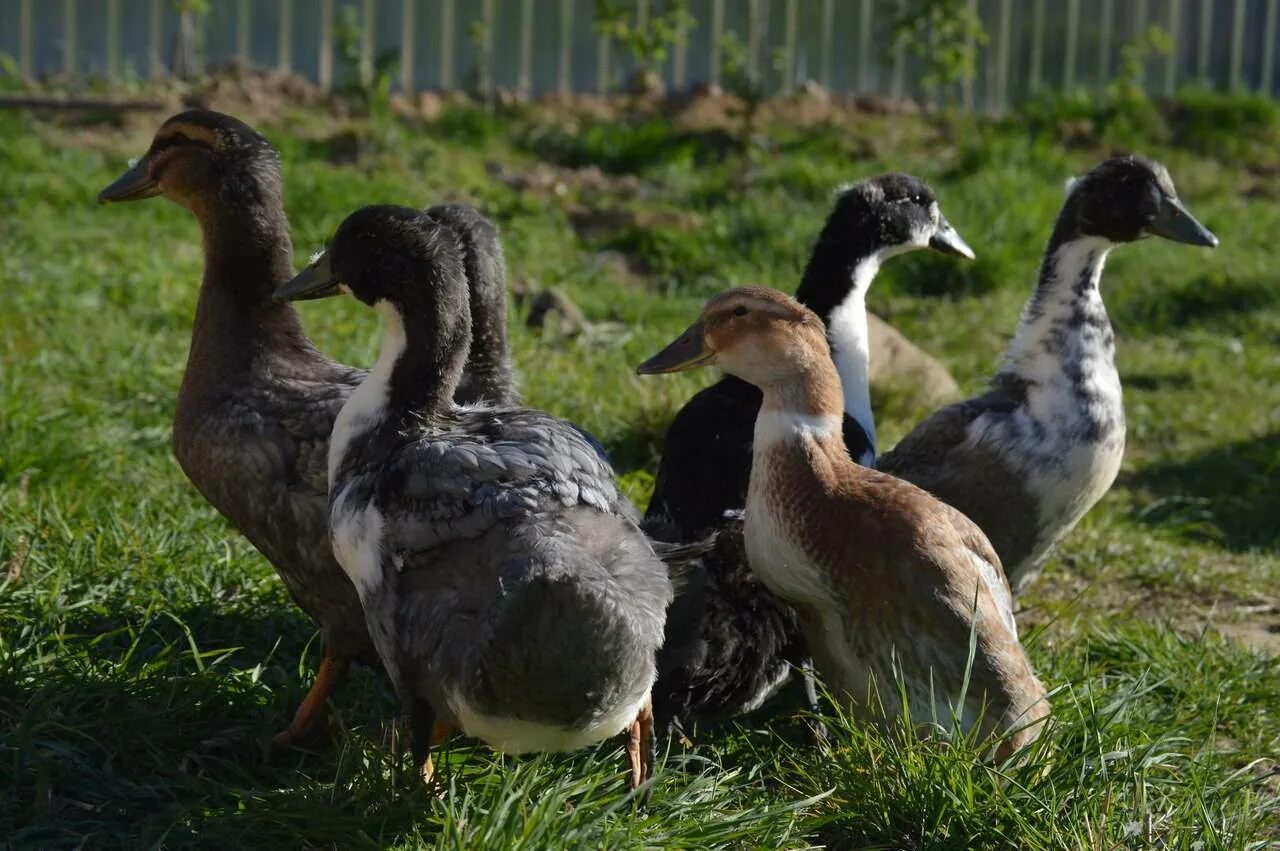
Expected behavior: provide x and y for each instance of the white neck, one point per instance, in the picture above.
(774, 426)
(1065, 318)
(367, 404)
(851, 349)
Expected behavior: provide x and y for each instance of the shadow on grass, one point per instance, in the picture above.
(1215, 299)
(1229, 494)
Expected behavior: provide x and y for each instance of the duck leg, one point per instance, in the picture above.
(641, 746)
(314, 709)
(423, 733)
(819, 735)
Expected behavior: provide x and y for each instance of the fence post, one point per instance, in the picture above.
(828, 24)
(325, 62)
(486, 49)
(899, 65)
(113, 39)
(680, 62)
(602, 63)
(524, 85)
(971, 50)
(242, 31)
(24, 44)
(1104, 43)
(1002, 74)
(1037, 46)
(155, 26)
(753, 40)
(865, 23)
(368, 24)
(284, 38)
(789, 49)
(69, 37)
(1139, 17)
(1269, 48)
(564, 77)
(1171, 61)
(1206, 31)
(1237, 44)
(446, 44)
(406, 47)
(1073, 35)
(717, 32)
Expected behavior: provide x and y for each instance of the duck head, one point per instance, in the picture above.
(1125, 199)
(892, 214)
(199, 159)
(757, 334)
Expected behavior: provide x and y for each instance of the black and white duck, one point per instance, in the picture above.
(258, 401)
(731, 644)
(1029, 457)
(507, 585)
(890, 585)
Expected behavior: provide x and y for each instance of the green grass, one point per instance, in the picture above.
(147, 652)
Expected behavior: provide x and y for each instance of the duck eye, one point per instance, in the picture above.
(739, 311)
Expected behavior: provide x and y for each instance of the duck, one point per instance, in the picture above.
(258, 401)
(731, 644)
(506, 582)
(1027, 458)
(894, 589)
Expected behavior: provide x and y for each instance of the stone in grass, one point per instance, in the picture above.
(900, 363)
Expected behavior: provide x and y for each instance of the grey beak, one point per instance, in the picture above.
(1175, 223)
(946, 240)
(316, 281)
(135, 184)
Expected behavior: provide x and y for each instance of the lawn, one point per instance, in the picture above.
(147, 652)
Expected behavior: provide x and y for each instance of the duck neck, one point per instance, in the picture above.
(489, 363)
(1064, 325)
(414, 378)
(835, 286)
(247, 255)
(803, 413)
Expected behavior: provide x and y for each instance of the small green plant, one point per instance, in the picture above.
(943, 35)
(739, 81)
(375, 93)
(649, 41)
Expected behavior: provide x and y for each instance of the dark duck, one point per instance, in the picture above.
(506, 583)
(258, 401)
(730, 643)
(1029, 457)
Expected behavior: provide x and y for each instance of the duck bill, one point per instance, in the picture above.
(316, 281)
(946, 240)
(1175, 223)
(688, 351)
(134, 185)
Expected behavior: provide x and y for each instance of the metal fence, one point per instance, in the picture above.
(540, 46)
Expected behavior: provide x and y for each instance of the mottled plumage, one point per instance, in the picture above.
(506, 583)
(889, 584)
(730, 643)
(1027, 459)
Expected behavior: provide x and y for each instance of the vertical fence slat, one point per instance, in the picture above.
(680, 62)
(69, 37)
(446, 44)
(1037, 46)
(486, 48)
(1139, 17)
(284, 38)
(1206, 31)
(1073, 39)
(896, 81)
(1269, 48)
(1171, 61)
(602, 63)
(1002, 72)
(753, 40)
(717, 33)
(865, 22)
(24, 44)
(827, 36)
(242, 31)
(368, 25)
(325, 61)
(525, 83)
(406, 46)
(564, 73)
(789, 49)
(970, 48)
(155, 27)
(1104, 42)
(113, 39)
(1237, 44)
